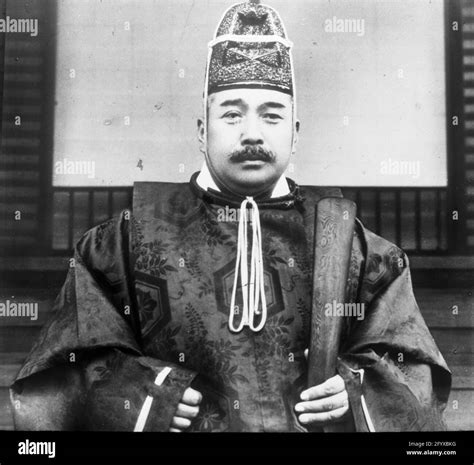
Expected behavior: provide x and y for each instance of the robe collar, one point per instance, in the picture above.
(285, 195)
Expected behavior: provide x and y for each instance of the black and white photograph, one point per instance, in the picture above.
(236, 217)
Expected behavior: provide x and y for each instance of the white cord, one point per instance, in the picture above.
(365, 410)
(144, 412)
(252, 38)
(254, 291)
(370, 425)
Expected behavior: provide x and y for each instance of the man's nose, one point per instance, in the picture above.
(251, 132)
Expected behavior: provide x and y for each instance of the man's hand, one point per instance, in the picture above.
(323, 404)
(188, 409)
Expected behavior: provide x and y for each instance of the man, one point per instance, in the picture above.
(194, 313)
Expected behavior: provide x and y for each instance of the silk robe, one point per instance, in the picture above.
(151, 289)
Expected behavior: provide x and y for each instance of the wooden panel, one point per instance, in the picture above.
(463, 376)
(367, 210)
(411, 218)
(408, 233)
(8, 373)
(101, 211)
(61, 219)
(121, 200)
(26, 209)
(428, 226)
(350, 194)
(454, 341)
(6, 418)
(28, 90)
(389, 220)
(3, 63)
(81, 214)
(78, 210)
(437, 306)
(459, 413)
(466, 140)
(6, 240)
(17, 338)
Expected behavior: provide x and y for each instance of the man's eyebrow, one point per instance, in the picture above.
(238, 102)
(271, 105)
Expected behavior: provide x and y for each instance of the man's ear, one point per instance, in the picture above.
(295, 138)
(201, 135)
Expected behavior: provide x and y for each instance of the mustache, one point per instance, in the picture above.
(252, 153)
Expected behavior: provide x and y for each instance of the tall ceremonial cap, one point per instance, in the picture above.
(250, 49)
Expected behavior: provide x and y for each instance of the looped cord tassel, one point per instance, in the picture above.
(253, 291)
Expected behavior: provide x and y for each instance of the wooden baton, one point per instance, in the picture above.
(334, 229)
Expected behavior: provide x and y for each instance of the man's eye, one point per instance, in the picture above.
(272, 117)
(232, 116)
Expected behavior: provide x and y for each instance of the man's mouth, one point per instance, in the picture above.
(252, 154)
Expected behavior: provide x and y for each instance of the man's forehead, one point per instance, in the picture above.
(249, 97)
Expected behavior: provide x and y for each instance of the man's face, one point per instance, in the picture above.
(249, 138)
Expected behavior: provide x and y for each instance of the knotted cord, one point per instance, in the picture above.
(253, 291)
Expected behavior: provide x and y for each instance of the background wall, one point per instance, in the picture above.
(130, 78)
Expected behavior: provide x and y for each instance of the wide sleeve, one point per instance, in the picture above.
(87, 370)
(396, 377)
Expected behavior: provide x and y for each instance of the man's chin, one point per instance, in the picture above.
(252, 183)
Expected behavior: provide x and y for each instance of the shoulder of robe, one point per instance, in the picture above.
(313, 194)
(162, 200)
(383, 261)
(102, 246)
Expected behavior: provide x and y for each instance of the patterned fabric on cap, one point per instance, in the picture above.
(260, 57)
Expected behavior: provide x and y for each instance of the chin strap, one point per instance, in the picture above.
(253, 291)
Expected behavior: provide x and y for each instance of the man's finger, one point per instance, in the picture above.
(322, 418)
(330, 387)
(180, 423)
(306, 352)
(175, 430)
(187, 411)
(191, 397)
(325, 404)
